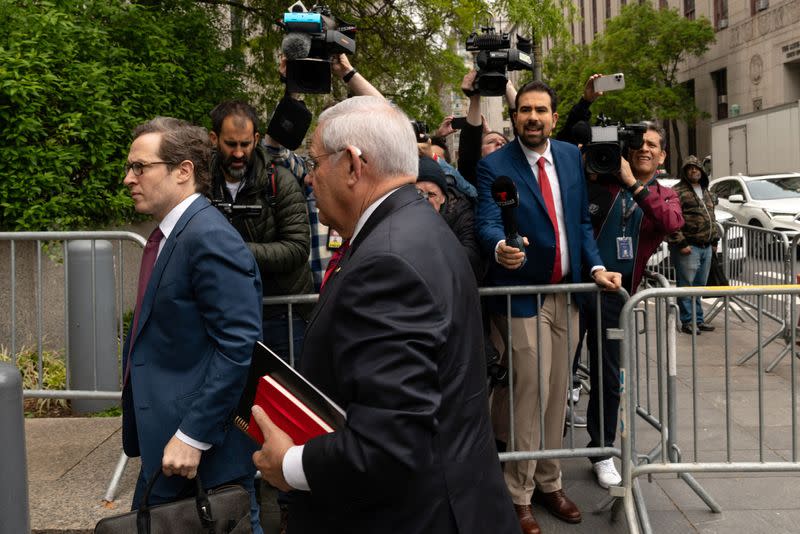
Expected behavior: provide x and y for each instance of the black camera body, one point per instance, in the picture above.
(609, 142)
(313, 36)
(235, 211)
(495, 57)
(420, 131)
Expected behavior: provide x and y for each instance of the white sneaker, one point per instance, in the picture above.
(607, 474)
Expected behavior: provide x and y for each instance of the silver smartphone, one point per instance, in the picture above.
(611, 82)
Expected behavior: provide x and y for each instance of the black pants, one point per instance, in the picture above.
(611, 305)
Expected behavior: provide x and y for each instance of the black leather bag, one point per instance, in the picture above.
(225, 510)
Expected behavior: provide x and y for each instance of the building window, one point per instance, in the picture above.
(688, 9)
(662, 4)
(720, 14)
(608, 9)
(758, 5)
(594, 17)
(623, 2)
(691, 127)
(720, 79)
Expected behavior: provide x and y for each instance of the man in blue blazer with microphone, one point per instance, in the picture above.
(553, 220)
(197, 318)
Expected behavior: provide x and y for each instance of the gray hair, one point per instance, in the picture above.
(379, 129)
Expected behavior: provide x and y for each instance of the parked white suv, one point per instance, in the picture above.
(771, 201)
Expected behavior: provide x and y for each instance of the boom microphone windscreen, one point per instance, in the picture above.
(296, 45)
(581, 133)
(289, 123)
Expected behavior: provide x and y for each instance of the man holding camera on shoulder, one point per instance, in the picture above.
(631, 214)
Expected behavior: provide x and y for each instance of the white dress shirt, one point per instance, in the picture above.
(552, 175)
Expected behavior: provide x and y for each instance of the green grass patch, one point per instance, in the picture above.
(114, 411)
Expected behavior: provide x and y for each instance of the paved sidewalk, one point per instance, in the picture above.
(70, 461)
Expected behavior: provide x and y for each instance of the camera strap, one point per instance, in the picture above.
(271, 191)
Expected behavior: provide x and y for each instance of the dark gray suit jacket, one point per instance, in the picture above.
(396, 340)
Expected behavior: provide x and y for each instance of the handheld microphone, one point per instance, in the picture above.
(296, 45)
(505, 195)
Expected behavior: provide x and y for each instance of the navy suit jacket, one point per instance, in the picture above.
(533, 220)
(396, 340)
(199, 321)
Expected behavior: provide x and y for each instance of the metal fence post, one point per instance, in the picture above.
(14, 489)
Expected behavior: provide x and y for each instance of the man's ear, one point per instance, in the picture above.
(212, 136)
(555, 119)
(185, 171)
(356, 163)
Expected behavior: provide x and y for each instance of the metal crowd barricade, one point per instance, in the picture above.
(62, 238)
(768, 262)
(643, 409)
(568, 449)
(737, 403)
(751, 256)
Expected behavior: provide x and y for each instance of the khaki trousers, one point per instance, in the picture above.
(555, 322)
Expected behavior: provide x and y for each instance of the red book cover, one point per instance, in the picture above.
(292, 402)
(286, 411)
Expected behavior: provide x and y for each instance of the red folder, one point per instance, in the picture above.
(292, 402)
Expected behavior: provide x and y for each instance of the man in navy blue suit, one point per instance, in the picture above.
(197, 318)
(553, 219)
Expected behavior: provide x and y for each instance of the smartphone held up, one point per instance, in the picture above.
(611, 82)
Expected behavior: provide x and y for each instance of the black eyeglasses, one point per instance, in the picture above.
(138, 167)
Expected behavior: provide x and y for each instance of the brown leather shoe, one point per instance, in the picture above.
(558, 504)
(527, 522)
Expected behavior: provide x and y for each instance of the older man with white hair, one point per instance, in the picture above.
(396, 341)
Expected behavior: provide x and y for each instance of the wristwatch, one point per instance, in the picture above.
(634, 186)
(349, 76)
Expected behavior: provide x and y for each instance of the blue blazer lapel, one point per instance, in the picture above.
(565, 172)
(163, 258)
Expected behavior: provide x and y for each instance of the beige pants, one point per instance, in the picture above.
(555, 322)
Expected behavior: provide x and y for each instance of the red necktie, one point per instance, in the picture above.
(145, 270)
(547, 194)
(334, 262)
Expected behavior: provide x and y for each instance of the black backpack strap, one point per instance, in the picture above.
(271, 191)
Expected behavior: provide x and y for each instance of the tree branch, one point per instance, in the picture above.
(232, 3)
